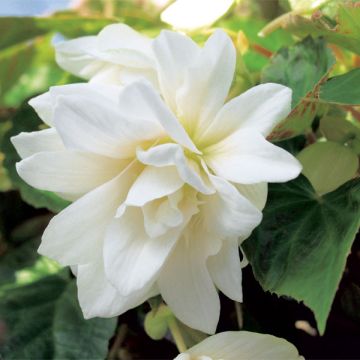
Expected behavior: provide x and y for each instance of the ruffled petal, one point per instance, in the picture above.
(28, 144)
(225, 270)
(247, 158)
(174, 54)
(132, 259)
(68, 171)
(141, 100)
(260, 108)
(154, 183)
(173, 154)
(98, 298)
(76, 235)
(120, 44)
(206, 84)
(228, 213)
(185, 283)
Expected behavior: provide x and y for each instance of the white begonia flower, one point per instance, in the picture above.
(190, 15)
(242, 345)
(166, 188)
(118, 55)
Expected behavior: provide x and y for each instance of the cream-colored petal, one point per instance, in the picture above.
(244, 345)
(120, 44)
(68, 171)
(255, 193)
(154, 183)
(173, 154)
(132, 259)
(260, 108)
(206, 84)
(76, 235)
(225, 269)
(28, 144)
(174, 54)
(98, 298)
(245, 157)
(185, 283)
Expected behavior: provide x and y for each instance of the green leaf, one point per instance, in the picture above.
(328, 165)
(301, 246)
(300, 67)
(343, 89)
(255, 58)
(344, 33)
(27, 120)
(335, 127)
(44, 321)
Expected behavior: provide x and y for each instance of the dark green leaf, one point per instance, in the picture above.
(300, 248)
(300, 67)
(44, 321)
(342, 89)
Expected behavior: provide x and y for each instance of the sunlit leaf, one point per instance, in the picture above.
(345, 33)
(337, 128)
(328, 165)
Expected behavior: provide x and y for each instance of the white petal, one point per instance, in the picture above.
(235, 345)
(228, 213)
(261, 108)
(27, 144)
(207, 83)
(120, 44)
(163, 214)
(173, 154)
(91, 122)
(174, 54)
(98, 298)
(43, 106)
(68, 171)
(132, 259)
(76, 235)
(192, 15)
(247, 158)
(140, 98)
(225, 270)
(255, 193)
(185, 283)
(154, 183)
(78, 56)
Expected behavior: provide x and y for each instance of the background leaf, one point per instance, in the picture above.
(300, 67)
(342, 89)
(43, 321)
(300, 248)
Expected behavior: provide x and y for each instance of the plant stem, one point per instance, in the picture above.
(176, 334)
(239, 315)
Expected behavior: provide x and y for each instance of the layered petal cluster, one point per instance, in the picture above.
(117, 55)
(242, 345)
(166, 183)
